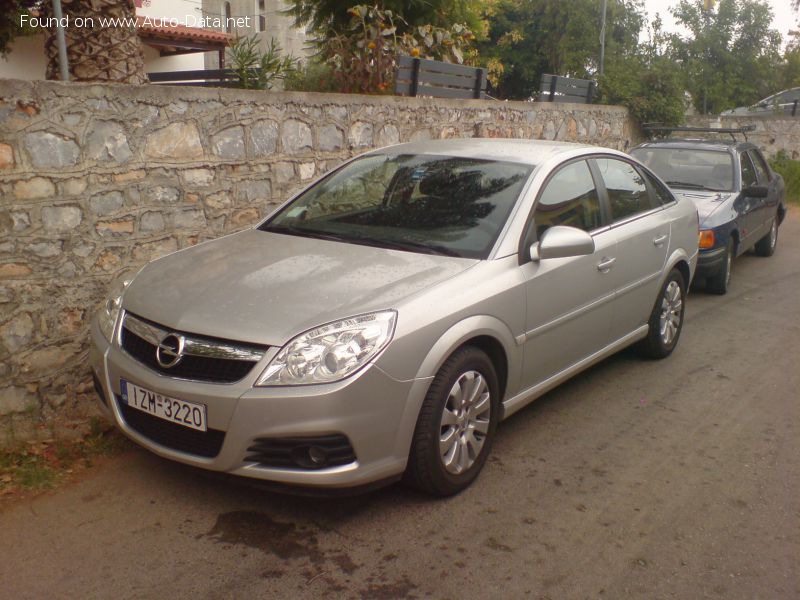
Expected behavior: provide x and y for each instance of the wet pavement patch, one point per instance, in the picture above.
(258, 530)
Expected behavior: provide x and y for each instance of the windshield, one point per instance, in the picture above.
(690, 168)
(421, 203)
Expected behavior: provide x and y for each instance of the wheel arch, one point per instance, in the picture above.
(488, 333)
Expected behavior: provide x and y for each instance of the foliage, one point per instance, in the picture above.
(43, 464)
(532, 37)
(326, 17)
(10, 28)
(730, 54)
(256, 68)
(790, 170)
(313, 76)
(649, 82)
(364, 56)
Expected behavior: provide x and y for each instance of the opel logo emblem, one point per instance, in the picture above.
(170, 350)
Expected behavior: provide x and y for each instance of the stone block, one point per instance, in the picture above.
(61, 218)
(33, 188)
(331, 138)
(104, 204)
(156, 249)
(387, 135)
(116, 228)
(197, 177)
(6, 156)
(264, 137)
(47, 150)
(151, 221)
(189, 219)
(14, 270)
(17, 333)
(107, 142)
(296, 136)
(14, 399)
(175, 141)
(360, 135)
(229, 143)
(46, 248)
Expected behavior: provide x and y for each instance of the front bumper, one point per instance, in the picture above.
(710, 262)
(374, 411)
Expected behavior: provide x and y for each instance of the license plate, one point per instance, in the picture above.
(188, 414)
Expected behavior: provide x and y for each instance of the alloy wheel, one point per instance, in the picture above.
(671, 312)
(465, 422)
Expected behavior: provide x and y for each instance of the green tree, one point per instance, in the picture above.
(10, 27)
(731, 53)
(533, 37)
(649, 82)
(326, 18)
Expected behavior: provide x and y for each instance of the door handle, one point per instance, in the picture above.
(659, 241)
(606, 263)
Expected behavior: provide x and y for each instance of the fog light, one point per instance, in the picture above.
(317, 455)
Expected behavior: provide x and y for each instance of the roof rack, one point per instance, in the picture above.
(732, 131)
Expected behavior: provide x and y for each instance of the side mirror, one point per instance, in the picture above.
(756, 191)
(562, 242)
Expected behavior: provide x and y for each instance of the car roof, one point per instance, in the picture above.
(532, 152)
(706, 144)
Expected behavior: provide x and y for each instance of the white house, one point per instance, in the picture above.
(169, 44)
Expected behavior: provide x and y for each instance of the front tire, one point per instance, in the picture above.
(666, 320)
(719, 283)
(456, 424)
(767, 244)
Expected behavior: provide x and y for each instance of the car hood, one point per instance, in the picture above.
(706, 202)
(264, 288)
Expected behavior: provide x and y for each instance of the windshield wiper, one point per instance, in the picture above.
(306, 233)
(693, 186)
(408, 245)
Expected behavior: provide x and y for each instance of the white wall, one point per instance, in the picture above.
(26, 59)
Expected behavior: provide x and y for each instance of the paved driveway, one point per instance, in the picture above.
(672, 479)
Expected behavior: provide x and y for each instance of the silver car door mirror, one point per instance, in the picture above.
(562, 242)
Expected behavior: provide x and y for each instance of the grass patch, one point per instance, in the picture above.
(42, 465)
(790, 170)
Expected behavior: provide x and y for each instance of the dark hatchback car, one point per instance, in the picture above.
(739, 199)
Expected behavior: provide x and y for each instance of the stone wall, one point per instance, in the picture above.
(772, 134)
(97, 180)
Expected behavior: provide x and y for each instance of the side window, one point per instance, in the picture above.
(663, 195)
(748, 172)
(570, 198)
(761, 167)
(627, 192)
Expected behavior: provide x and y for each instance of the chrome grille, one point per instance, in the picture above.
(203, 358)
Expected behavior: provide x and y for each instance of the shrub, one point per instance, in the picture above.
(256, 68)
(364, 57)
(790, 170)
(314, 76)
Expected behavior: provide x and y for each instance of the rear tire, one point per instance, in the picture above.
(456, 424)
(767, 244)
(718, 284)
(666, 320)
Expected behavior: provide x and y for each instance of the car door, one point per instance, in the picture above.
(569, 301)
(769, 205)
(747, 206)
(642, 236)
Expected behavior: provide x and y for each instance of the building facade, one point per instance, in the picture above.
(265, 18)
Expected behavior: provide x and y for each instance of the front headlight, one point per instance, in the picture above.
(330, 352)
(107, 317)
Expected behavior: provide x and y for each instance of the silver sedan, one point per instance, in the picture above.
(384, 320)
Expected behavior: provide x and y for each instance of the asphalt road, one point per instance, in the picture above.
(670, 479)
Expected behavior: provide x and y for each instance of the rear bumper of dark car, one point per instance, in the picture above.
(710, 262)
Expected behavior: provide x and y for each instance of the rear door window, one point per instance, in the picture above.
(761, 167)
(748, 171)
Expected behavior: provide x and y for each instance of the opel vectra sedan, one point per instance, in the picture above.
(386, 318)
